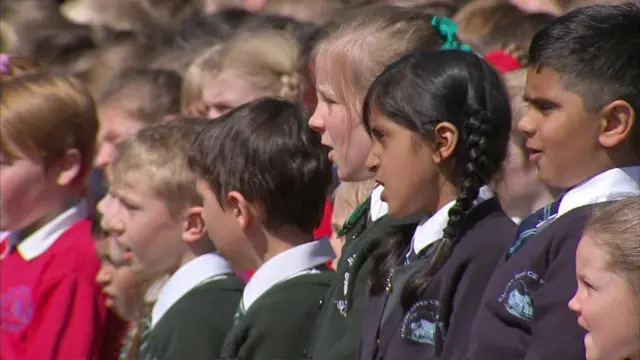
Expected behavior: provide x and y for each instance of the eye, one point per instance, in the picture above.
(377, 134)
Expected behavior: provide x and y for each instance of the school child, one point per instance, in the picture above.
(51, 305)
(132, 100)
(346, 198)
(354, 50)
(263, 176)
(580, 128)
(426, 287)
(161, 224)
(607, 301)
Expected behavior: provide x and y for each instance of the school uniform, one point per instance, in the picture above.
(194, 311)
(339, 327)
(280, 305)
(524, 313)
(52, 307)
(438, 324)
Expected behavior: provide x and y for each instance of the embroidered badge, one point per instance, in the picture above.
(421, 324)
(342, 304)
(516, 296)
(16, 309)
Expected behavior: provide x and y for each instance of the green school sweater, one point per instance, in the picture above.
(339, 327)
(195, 327)
(280, 323)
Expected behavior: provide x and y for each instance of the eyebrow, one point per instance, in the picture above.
(539, 102)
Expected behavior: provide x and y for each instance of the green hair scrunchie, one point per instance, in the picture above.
(448, 29)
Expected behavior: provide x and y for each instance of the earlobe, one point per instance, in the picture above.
(194, 228)
(618, 119)
(446, 140)
(69, 167)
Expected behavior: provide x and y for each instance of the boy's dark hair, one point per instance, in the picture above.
(595, 51)
(266, 151)
(418, 92)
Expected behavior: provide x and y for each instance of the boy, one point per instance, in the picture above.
(583, 88)
(51, 305)
(263, 177)
(159, 217)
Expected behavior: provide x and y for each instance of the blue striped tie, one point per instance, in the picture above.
(531, 225)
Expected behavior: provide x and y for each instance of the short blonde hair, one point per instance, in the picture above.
(158, 153)
(271, 60)
(207, 62)
(362, 42)
(348, 195)
(44, 115)
(615, 227)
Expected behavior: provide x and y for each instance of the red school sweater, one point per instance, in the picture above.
(51, 307)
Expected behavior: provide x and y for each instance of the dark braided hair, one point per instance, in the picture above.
(418, 92)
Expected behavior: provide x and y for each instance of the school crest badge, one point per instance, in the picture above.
(421, 323)
(16, 309)
(517, 296)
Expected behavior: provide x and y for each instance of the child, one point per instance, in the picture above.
(608, 270)
(263, 176)
(161, 222)
(436, 156)
(581, 132)
(355, 49)
(51, 305)
(346, 198)
(133, 99)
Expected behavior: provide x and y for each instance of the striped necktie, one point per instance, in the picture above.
(533, 223)
(144, 329)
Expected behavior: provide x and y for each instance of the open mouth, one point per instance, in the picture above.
(533, 154)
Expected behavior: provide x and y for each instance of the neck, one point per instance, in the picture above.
(193, 251)
(268, 243)
(446, 194)
(56, 208)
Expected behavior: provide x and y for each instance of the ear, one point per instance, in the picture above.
(69, 167)
(194, 228)
(618, 119)
(446, 139)
(242, 210)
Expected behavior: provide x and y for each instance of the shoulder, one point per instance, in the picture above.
(489, 230)
(208, 300)
(565, 232)
(74, 253)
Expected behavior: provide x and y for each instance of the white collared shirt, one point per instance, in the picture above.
(190, 275)
(42, 239)
(293, 262)
(431, 228)
(610, 185)
(378, 207)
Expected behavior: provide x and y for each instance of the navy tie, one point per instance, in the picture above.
(532, 224)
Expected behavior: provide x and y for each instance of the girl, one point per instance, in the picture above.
(52, 308)
(133, 99)
(440, 124)
(608, 270)
(356, 47)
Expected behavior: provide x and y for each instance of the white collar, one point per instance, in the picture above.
(189, 276)
(609, 185)
(378, 208)
(431, 228)
(42, 239)
(284, 266)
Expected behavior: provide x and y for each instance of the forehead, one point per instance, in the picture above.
(131, 183)
(589, 255)
(546, 84)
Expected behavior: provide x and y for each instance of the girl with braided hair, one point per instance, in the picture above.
(440, 124)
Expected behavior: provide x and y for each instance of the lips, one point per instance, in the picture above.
(533, 154)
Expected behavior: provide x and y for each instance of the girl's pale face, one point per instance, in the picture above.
(224, 91)
(348, 142)
(115, 126)
(607, 306)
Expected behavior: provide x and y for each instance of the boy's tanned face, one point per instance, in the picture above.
(148, 229)
(223, 229)
(561, 135)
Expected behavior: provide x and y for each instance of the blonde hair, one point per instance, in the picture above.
(314, 11)
(615, 227)
(271, 60)
(158, 154)
(348, 195)
(148, 95)
(359, 44)
(44, 116)
(207, 62)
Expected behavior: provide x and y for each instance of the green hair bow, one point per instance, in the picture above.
(448, 29)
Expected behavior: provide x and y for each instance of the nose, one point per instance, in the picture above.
(527, 125)
(104, 156)
(109, 208)
(213, 113)
(373, 162)
(574, 303)
(104, 275)
(316, 123)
